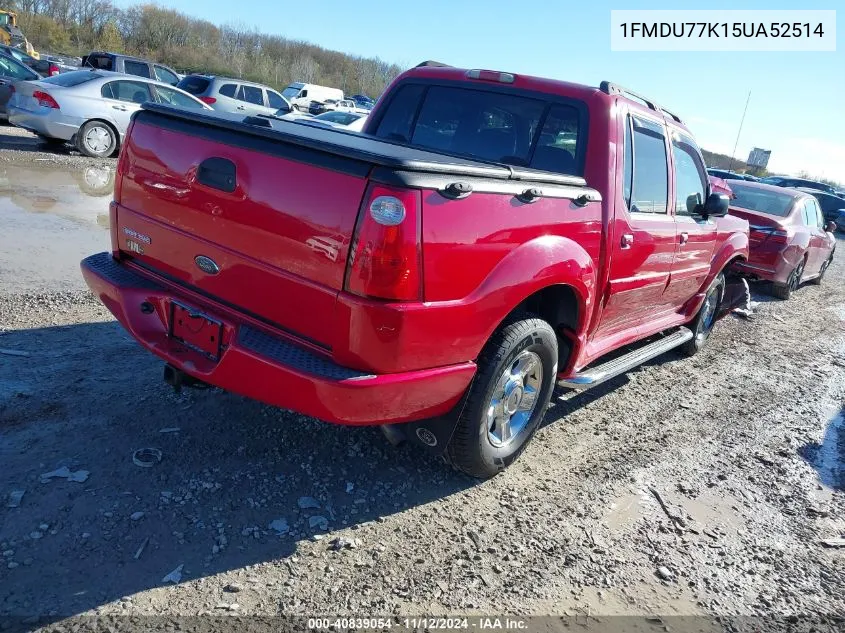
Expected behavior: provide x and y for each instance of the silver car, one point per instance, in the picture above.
(235, 95)
(92, 108)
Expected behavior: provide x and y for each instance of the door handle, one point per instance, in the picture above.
(121, 108)
(627, 240)
(241, 108)
(684, 238)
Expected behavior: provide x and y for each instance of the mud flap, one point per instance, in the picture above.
(737, 295)
(432, 434)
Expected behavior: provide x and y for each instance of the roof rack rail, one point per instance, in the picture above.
(432, 64)
(608, 87)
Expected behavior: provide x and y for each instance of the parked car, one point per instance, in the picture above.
(725, 174)
(790, 241)
(300, 95)
(43, 67)
(235, 95)
(12, 73)
(117, 63)
(832, 206)
(719, 185)
(64, 63)
(363, 101)
(92, 108)
(440, 273)
(337, 119)
(332, 105)
(782, 181)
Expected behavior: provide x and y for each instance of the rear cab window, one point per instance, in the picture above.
(100, 62)
(516, 129)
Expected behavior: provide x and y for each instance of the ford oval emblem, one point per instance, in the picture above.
(206, 265)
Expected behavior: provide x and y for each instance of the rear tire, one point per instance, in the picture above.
(793, 282)
(96, 139)
(704, 321)
(508, 398)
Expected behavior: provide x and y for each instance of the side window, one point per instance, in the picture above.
(303, 94)
(817, 216)
(174, 97)
(251, 94)
(276, 101)
(690, 182)
(131, 91)
(165, 76)
(140, 69)
(228, 90)
(400, 112)
(650, 189)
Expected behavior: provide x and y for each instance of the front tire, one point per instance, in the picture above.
(704, 321)
(96, 139)
(818, 280)
(508, 398)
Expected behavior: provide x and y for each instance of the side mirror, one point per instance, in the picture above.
(830, 227)
(716, 205)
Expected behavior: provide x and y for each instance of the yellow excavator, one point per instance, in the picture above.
(11, 35)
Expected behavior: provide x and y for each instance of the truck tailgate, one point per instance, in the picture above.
(275, 220)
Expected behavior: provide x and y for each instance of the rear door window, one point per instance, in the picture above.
(650, 186)
(141, 69)
(131, 91)
(557, 146)
(251, 94)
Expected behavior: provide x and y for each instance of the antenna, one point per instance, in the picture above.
(741, 121)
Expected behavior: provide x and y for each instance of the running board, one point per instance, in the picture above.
(612, 368)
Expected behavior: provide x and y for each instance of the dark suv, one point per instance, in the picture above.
(131, 66)
(780, 181)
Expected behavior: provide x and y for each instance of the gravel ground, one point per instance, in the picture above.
(21, 147)
(699, 486)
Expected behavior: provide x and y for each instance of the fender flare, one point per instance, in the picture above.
(546, 261)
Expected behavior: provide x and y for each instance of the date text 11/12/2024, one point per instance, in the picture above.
(420, 623)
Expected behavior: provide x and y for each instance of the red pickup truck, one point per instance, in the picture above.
(490, 236)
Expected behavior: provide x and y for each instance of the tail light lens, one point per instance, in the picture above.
(44, 99)
(385, 259)
(770, 236)
(208, 100)
(54, 70)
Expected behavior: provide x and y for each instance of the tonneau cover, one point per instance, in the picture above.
(364, 148)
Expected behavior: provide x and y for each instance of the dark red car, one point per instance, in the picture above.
(790, 241)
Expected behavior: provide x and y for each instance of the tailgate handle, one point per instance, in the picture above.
(217, 173)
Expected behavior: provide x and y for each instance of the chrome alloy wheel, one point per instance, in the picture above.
(794, 280)
(514, 399)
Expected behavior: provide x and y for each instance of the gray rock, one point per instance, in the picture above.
(318, 521)
(232, 588)
(306, 503)
(12, 565)
(35, 535)
(280, 526)
(136, 515)
(665, 573)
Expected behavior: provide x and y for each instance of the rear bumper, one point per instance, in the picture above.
(778, 273)
(51, 125)
(261, 364)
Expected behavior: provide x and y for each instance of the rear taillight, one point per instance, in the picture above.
(54, 70)
(208, 100)
(385, 255)
(770, 236)
(45, 99)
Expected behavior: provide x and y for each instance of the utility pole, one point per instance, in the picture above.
(742, 120)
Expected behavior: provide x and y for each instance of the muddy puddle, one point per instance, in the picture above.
(828, 458)
(51, 218)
